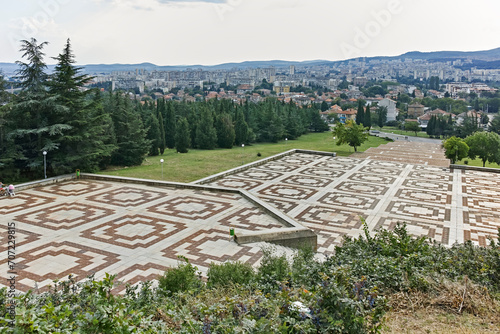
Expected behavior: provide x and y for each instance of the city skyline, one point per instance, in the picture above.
(210, 32)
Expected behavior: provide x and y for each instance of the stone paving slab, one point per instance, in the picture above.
(333, 195)
(137, 232)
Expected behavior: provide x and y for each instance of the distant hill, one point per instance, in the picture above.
(486, 59)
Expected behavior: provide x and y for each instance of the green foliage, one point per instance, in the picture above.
(206, 135)
(229, 273)
(413, 127)
(344, 294)
(182, 136)
(180, 279)
(455, 149)
(484, 145)
(351, 133)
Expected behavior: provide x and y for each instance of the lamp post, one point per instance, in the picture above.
(242, 156)
(161, 160)
(45, 163)
(286, 141)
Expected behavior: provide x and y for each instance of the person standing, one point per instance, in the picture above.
(11, 190)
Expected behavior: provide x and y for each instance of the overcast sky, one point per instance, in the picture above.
(187, 32)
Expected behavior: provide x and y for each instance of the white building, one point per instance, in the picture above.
(392, 112)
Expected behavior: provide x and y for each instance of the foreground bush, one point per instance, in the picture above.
(348, 293)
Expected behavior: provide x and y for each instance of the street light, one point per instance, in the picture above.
(45, 163)
(242, 156)
(161, 160)
(286, 141)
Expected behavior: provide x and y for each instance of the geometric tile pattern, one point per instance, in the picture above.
(135, 232)
(398, 182)
(65, 216)
(83, 227)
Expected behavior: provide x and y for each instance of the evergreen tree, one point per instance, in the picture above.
(206, 136)
(381, 116)
(317, 123)
(360, 116)
(182, 136)
(83, 145)
(240, 128)
(170, 131)
(153, 134)
(130, 133)
(162, 133)
(368, 118)
(33, 120)
(225, 131)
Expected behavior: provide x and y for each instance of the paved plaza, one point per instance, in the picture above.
(136, 231)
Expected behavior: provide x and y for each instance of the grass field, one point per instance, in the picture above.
(198, 164)
(477, 163)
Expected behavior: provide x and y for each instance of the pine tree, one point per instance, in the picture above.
(206, 136)
(130, 133)
(182, 136)
(162, 133)
(153, 134)
(81, 146)
(368, 118)
(240, 128)
(360, 116)
(170, 131)
(225, 131)
(33, 121)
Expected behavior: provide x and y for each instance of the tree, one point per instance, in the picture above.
(170, 132)
(130, 132)
(381, 116)
(360, 116)
(240, 129)
(368, 118)
(85, 144)
(324, 106)
(182, 136)
(351, 134)
(455, 149)
(495, 124)
(485, 146)
(225, 131)
(317, 123)
(153, 134)
(33, 119)
(206, 136)
(412, 127)
(162, 133)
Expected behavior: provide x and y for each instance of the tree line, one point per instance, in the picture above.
(87, 129)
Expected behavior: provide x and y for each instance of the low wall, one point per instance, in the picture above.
(475, 168)
(45, 182)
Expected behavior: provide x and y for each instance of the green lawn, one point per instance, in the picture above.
(396, 131)
(477, 163)
(198, 164)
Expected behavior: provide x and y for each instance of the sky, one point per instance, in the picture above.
(209, 32)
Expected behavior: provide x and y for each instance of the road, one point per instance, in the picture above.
(407, 138)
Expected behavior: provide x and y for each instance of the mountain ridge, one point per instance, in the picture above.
(492, 55)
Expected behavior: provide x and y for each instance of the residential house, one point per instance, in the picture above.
(392, 112)
(416, 110)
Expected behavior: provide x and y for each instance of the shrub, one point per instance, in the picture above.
(258, 154)
(182, 278)
(230, 273)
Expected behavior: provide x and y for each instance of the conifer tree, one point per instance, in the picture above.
(360, 116)
(206, 136)
(240, 128)
(225, 131)
(368, 118)
(83, 145)
(162, 133)
(182, 136)
(153, 134)
(170, 122)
